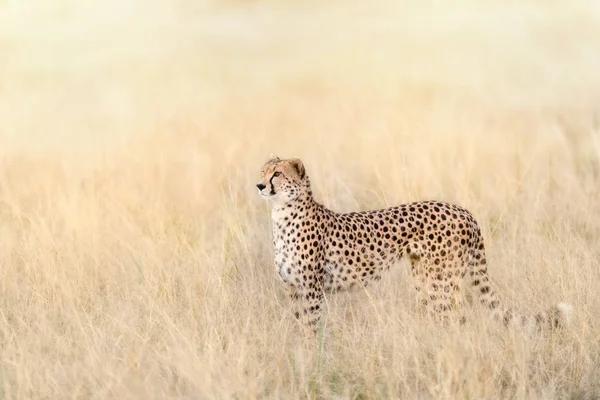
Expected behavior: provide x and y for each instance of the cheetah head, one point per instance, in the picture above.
(282, 180)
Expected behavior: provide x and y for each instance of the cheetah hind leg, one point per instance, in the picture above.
(437, 296)
(430, 302)
(417, 272)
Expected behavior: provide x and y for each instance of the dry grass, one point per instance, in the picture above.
(135, 252)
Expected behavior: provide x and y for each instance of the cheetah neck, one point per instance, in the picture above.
(298, 207)
(301, 207)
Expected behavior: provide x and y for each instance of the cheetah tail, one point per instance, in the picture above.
(556, 317)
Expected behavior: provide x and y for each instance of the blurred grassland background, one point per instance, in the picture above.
(135, 253)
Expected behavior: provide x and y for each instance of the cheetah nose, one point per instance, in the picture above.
(260, 186)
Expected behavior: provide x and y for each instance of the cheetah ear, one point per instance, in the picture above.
(297, 164)
(274, 157)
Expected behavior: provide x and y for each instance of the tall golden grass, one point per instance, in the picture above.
(136, 257)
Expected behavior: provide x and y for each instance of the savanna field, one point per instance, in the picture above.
(135, 254)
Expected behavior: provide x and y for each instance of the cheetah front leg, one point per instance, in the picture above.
(307, 304)
(294, 297)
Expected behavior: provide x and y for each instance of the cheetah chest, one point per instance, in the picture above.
(287, 264)
(294, 245)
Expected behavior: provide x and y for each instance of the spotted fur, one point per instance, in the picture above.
(319, 251)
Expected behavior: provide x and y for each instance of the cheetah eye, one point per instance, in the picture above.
(277, 173)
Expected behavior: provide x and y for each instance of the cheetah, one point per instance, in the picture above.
(319, 251)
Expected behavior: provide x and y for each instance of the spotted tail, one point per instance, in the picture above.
(555, 317)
